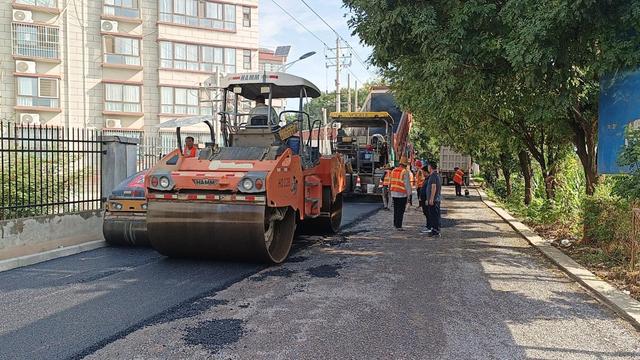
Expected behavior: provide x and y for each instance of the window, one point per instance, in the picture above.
(124, 8)
(35, 41)
(246, 59)
(42, 3)
(122, 98)
(182, 101)
(121, 50)
(246, 16)
(40, 92)
(208, 14)
(197, 57)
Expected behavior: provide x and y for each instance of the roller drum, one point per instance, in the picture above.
(220, 231)
(125, 230)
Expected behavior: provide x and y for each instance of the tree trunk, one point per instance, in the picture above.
(525, 168)
(585, 138)
(506, 171)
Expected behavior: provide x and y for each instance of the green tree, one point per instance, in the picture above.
(531, 66)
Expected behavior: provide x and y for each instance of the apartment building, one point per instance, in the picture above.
(127, 64)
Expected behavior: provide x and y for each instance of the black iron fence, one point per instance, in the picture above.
(152, 147)
(48, 170)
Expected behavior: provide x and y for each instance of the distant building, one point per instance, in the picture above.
(119, 63)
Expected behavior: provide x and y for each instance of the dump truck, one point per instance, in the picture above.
(365, 141)
(449, 160)
(125, 213)
(243, 199)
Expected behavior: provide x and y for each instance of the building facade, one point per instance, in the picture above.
(126, 64)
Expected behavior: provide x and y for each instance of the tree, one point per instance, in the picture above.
(532, 66)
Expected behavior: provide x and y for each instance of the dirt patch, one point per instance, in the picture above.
(215, 334)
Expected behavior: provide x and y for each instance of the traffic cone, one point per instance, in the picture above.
(358, 185)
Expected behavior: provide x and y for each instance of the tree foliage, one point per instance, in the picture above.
(478, 72)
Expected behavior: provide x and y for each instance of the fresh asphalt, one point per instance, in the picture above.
(478, 292)
(71, 307)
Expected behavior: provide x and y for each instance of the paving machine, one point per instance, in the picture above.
(126, 212)
(365, 140)
(243, 198)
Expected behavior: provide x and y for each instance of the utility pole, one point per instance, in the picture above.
(338, 63)
(341, 61)
(356, 107)
(349, 92)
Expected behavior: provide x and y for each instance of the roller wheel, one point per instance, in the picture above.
(326, 225)
(279, 229)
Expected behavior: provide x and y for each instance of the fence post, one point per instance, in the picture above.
(119, 160)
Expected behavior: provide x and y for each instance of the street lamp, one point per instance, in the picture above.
(284, 67)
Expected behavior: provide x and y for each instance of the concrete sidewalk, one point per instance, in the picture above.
(481, 291)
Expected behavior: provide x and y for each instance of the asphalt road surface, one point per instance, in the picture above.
(74, 306)
(479, 292)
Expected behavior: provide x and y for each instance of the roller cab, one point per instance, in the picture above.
(243, 198)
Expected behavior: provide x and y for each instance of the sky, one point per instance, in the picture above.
(277, 28)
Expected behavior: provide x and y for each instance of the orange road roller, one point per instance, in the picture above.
(242, 195)
(126, 212)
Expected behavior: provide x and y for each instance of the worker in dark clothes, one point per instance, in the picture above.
(433, 196)
(423, 198)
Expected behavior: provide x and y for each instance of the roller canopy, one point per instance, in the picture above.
(188, 121)
(285, 86)
(362, 119)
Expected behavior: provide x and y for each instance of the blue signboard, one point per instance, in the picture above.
(619, 106)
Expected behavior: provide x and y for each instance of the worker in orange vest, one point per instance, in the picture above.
(412, 180)
(420, 177)
(400, 187)
(189, 149)
(385, 183)
(458, 180)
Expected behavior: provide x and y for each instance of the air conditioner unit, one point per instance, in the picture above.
(22, 16)
(113, 123)
(30, 119)
(27, 67)
(109, 26)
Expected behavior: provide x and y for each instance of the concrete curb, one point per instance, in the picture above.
(621, 303)
(49, 255)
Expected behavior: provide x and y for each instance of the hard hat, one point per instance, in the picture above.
(419, 164)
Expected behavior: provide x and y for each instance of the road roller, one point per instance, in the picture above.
(126, 212)
(258, 178)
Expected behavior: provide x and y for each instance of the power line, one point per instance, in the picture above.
(339, 36)
(299, 23)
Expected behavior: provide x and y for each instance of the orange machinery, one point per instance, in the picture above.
(243, 198)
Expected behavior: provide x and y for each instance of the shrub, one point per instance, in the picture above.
(607, 220)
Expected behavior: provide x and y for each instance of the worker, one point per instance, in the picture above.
(432, 191)
(386, 182)
(400, 187)
(412, 180)
(259, 115)
(190, 150)
(419, 180)
(423, 199)
(458, 180)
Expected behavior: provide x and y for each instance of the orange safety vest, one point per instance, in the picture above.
(397, 180)
(458, 177)
(412, 179)
(387, 178)
(419, 178)
(189, 153)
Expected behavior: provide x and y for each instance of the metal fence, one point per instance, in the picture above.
(152, 147)
(48, 170)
